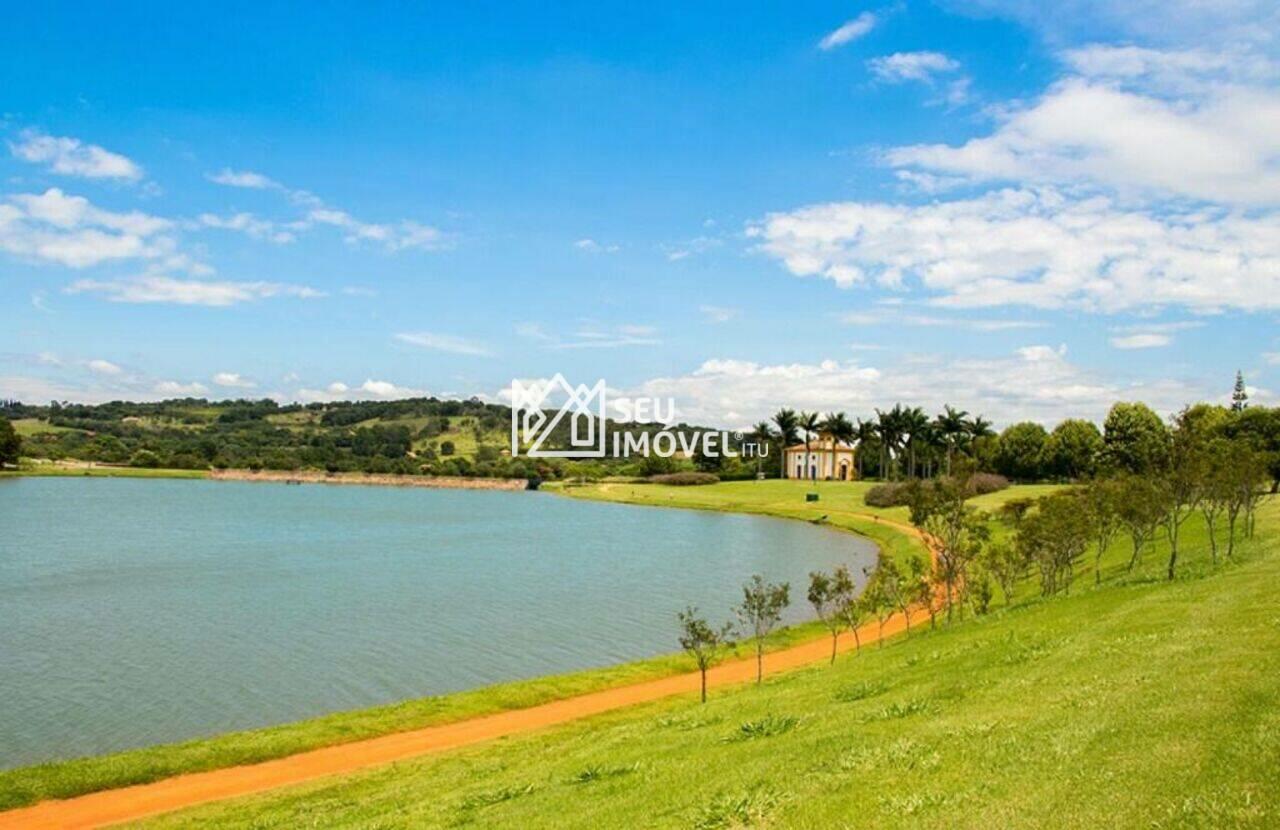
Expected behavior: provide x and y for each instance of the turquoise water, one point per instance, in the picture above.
(135, 612)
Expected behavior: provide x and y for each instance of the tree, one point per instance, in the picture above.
(828, 595)
(10, 443)
(1240, 394)
(1054, 537)
(951, 528)
(706, 645)
(923, 587)
(1140, 508)
(865, 433)
(841, 431)
(788, 433)
(809, 423)
(889, 430)
(878, 595)
(760, 611)
(1071, 451)
(953, 428)
(763, 433)
(1006, 565)
(1019, 452)
(1181, 481)
(1102, 512)
(853, 612)
(1216, 489)
(1135, 440)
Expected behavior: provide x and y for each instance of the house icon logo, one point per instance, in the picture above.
(533, 424)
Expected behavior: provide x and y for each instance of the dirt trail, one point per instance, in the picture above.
(131, 803)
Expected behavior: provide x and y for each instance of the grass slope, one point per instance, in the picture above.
(1135, 703)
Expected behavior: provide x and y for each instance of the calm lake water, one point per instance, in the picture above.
(135, 612)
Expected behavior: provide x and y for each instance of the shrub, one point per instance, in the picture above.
(684, 479)
(983, 483)
(887, 495)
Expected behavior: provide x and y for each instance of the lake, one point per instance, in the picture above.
(135, 612)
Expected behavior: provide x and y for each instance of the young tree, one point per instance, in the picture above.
(828, 594)
(951, 528)
(1182, 482)
(760, 611)
(1006, 565)
(853, 613)
(706, 645)
(1140, 508)
(10, 442)
(1102, 511)
(878, 599)
(1054, 537)
(1216, 489)
(925, 588)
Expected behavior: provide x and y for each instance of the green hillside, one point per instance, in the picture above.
(1136, 703)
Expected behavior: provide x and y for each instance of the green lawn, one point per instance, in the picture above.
(1139, 703)
(26, 427)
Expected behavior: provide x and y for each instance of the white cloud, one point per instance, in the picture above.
(233, 380)
(848, 32)
(164, 289)
(394, 237)
(443, 343)
(369, 390)
(1272, 358)
(172, 388)
(72, 157)
(593, 336)
(242, 178)
(1223, 148)
(689, 247)
(69, 230)
(911, 66)
(1039, 248)
(1036, 382)
(249, 225)
(594, 247)
(103, 367)
(719, 313)
(1141, 341)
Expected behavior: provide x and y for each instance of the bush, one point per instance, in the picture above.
(887, 495)
(684, 479)
(983, 483)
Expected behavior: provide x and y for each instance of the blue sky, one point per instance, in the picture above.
(831, 206)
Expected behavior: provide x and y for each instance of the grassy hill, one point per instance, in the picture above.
(1134, 703)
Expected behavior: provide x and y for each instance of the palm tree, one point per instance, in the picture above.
(865, 431)
(809, 423)
(889, 428)
(788, 432)
(952, 427)
(841, 430)
(916, 426)
(980, 427)
(762, 432)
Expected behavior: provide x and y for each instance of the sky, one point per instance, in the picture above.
(1022, 209)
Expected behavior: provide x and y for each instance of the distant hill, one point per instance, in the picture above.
(415, 436)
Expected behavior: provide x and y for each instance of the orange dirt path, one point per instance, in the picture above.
(166, 795)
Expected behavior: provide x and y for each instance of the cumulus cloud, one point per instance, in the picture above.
(443, 343)
(55, 227)
(233, 380)
(72, 157)
(848, 32)
(249, 225)
(172, 388)
(1222, 148)
(164, 289)
(103, 367)
(1039, 248)
(1035, 382)
(594, 247)
(369, 390)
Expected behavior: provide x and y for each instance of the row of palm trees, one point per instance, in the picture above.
(905, 437)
